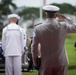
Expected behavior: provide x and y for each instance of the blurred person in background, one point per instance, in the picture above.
(30, 55)
(13, 44)
(51, 35)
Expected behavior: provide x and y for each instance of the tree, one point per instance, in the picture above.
(28, 13)
(66, 8)
(5, 8)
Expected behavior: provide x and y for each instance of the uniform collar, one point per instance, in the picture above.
(13, 23)
(50, 19)
(12, 26)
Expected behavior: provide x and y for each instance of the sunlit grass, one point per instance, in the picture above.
(70, 72)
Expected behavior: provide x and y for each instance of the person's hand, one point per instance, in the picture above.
(60, 16)
(37, 63)
(34, 62)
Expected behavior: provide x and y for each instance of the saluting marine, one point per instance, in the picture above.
(51, 36)
(13, 43)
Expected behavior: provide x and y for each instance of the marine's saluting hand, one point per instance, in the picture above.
(60, 16)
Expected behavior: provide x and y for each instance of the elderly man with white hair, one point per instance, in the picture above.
(51, 36)
(13, 39)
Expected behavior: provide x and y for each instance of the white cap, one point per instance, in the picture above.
(51, 8)
(13, 15)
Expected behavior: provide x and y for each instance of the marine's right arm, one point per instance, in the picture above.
(70, 25)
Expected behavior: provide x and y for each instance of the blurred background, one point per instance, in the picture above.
(31, 14)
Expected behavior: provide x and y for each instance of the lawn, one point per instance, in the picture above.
(70, 72)
(71, 52)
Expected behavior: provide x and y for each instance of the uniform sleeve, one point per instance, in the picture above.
(71, 26)
(34, 47)
(3, 40)
(25, 38)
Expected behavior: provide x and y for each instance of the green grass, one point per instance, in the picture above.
(71, 52)
(30, 73)
(70, 72)
(25, 73)
(71, 38)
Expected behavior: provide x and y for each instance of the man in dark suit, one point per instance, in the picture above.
(51, 35)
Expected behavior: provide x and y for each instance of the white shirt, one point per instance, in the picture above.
(13, 40)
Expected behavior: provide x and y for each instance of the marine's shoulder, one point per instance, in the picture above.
(21, 29)
(38, 26)
(4, 29)
(62, 24)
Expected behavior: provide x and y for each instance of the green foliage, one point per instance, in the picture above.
(29, 13)
(5, 8)
(66, 8)
(32, 12)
